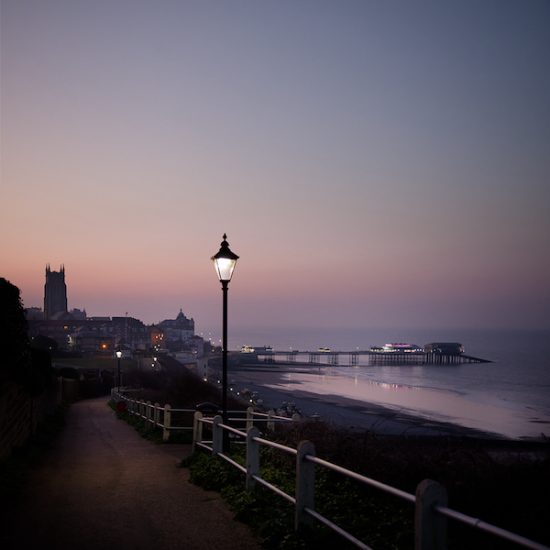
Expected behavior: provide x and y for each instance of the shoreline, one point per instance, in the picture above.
(343, 411)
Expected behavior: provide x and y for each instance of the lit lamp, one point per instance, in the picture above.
(224, 262)
(118, 354)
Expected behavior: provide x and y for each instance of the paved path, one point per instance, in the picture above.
(104, 487)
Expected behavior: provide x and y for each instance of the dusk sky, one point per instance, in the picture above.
(373, 163)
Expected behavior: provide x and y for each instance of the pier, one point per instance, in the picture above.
(359, 357)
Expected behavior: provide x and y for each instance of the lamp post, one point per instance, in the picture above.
(224, 262)
(118, 354)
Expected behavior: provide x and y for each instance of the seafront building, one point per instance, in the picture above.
(176, 332)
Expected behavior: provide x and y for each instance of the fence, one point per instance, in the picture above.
(170, 419)
(430, 500)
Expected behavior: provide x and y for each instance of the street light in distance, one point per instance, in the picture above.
(118, 354)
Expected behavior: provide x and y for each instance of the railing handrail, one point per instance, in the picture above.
(434, 506)
(275, 445)
(489, 528)
(422, 500)
(232, 430)
(363, 479)
(134, 407)
(337, 529)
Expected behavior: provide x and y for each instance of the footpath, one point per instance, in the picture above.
(102, 487)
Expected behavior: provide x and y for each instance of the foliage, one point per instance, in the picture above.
(148, 431)
(26, 365)
(502, 482)
(14, 342)
(273, 517)
(41, 373)
(44, 343)
(177, 386)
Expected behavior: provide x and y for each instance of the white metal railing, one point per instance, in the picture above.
(158, 416)
(430, 498)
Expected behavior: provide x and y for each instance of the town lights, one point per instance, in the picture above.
(224, 262)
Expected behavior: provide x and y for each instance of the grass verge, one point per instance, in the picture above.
(148, 431)
(506, 485)
(368, 516)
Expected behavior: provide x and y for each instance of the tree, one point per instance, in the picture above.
(15, 357)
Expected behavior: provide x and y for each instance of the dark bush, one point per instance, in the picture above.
(15, 360)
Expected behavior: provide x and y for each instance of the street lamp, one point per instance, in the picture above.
(224, 262)
(118, 354)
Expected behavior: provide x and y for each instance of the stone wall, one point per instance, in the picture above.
(20, 414)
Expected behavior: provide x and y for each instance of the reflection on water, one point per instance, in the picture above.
(444, 405)
(510, 396)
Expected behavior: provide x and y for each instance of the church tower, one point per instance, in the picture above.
(55, 293)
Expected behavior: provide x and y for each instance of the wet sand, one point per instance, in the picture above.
(283, 383)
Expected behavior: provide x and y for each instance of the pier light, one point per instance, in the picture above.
(224, 262)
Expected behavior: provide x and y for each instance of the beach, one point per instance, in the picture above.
(313, 393)
(508, 397)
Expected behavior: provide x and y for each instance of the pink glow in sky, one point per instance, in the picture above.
(373, 164)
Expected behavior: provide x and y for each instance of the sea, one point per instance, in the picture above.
(508, 396)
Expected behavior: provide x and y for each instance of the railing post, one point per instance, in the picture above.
(156, 414)
(430, 528)
(217, 435)
(305, 484)
(166, 423)
(270, 423)
(252, 457)
(249, 418)
(148, 414)
(197, 430)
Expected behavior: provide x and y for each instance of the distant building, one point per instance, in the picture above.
(59, 330)
(156, 337)
(131, 333)
(55, 294)
(34, 314)
(446, 348)
(77, 314)
(75, 331)
(401, 347)
(91, 341)
(177, 333)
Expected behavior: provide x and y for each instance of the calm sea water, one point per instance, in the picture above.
(510, 395)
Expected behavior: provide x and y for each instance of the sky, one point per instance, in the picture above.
(373, 163)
